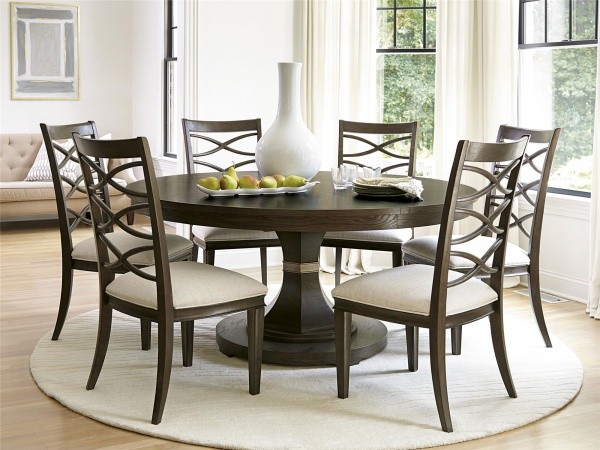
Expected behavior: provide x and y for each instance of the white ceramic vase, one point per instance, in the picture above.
(288, 147)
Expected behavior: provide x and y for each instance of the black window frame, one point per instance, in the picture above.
(395, 49)
(556, 44)
(169, 57)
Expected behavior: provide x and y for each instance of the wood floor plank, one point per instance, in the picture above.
(29, 292)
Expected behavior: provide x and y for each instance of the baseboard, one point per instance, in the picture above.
(569, 288)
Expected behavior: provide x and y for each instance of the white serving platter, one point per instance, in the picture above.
(262, 191)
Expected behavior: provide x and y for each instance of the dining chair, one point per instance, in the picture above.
(362, 155)
(435, 297)
(82, 255)
(167, 292)
(218, 137)
(532, 188)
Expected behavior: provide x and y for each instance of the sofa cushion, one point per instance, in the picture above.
(18, 191)
(17, 154)
(40, 170)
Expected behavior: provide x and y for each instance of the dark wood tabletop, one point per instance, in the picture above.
(299, 323)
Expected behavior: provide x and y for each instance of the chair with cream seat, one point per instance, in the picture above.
(220, 135)
(435, 297)
(167, 292)
(82, 255)
(403, 159)
(532, 187)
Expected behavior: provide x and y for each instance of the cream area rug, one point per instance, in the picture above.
(298, 408)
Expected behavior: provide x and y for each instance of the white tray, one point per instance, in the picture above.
(262, 191)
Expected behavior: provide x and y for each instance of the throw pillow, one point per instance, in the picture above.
(40, 170)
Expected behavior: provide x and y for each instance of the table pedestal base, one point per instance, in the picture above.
(369, 339)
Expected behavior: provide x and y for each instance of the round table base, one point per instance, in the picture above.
(369, 339)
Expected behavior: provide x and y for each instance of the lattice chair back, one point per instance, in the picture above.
(67, 177)
(537, 164)
(397, 149)
(217, 145)
(104, 219)
(470, 156)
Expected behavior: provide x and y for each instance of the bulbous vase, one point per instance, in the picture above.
(288, 147)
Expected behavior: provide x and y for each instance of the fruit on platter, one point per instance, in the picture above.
(279, 178)
(248, 182)
(210, 183)
(294, 181)
(268, 182)
(232, 173)
(228, 182)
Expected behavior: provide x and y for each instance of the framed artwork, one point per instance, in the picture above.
(44, 51)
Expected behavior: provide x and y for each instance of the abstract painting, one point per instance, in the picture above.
(45, 51)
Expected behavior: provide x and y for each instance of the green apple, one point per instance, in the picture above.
(209, 183)
(248, 182)
(268, 182)
(294, 181)
(228, 182)
(280, 178)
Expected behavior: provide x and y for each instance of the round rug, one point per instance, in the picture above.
(298, 408)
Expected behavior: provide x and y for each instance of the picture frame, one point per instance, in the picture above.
(44, 51)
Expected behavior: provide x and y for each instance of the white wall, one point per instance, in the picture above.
(105, 74)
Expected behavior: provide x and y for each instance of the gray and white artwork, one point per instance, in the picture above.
(45, 55)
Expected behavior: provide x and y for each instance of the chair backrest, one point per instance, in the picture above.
(104, 219)
(471, 156)
(393, 133)
(535, 174)
(64, 186)
(211, 132)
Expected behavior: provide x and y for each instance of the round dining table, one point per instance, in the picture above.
(299, 326)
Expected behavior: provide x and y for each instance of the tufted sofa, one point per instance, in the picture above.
(30, 200)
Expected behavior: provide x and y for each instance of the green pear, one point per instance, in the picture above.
(228, 182)
(232, 173)
(209, 183)
(279, 179)
(294, 181)
(248, 182)
(268, 182)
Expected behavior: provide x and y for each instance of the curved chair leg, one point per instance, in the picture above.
(256, 326)
(456, 339)
(497, 329)
(187, 342)
(163, 371)
(412, 347)
(437, 347)
(145, 327)
(104, 326)
(195, 253)
(209, 257)
(263, 264)
(338, 265)
(536, 304)
(343, 321)
(65, 300)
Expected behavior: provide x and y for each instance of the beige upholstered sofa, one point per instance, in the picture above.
(30, 200)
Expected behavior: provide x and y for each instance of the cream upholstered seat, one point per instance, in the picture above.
(180, 248)
(203, 140)
(355, 147)
(531, 188)
(73, 207)
(422, 251)
(408, 288)
(167, 292)
(435, 297)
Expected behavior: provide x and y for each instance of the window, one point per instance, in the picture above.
(557, 83)
(170, 125)
(406, 34)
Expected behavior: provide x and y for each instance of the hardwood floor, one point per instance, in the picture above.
(29, 292)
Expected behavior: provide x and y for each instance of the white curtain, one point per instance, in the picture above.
(594, 293)
(339, 38)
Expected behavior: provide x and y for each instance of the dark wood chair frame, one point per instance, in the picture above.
(437, 321)
(202, 129)
(103, 220)
(353, 131)
(68, 218)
